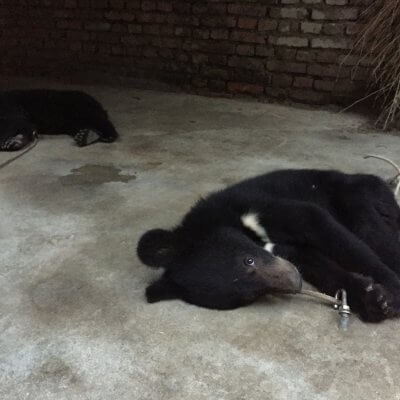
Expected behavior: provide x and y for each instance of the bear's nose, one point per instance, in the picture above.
(251, 270)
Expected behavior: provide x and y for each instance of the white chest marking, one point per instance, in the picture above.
(251, 222)
(269, 247)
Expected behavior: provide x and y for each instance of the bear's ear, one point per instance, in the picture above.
(156, 248)
(161, 290)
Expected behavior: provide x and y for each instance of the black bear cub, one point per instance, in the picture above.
(256, 237)
(25, 113)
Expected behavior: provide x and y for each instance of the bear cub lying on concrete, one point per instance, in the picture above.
(25, 113)
(255, 237)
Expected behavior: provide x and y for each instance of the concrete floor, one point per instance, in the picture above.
(73, 320)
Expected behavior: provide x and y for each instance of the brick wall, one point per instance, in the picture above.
(283, 49)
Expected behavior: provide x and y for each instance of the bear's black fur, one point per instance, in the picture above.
(24, 113)
(340, 230)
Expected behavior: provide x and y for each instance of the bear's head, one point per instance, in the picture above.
(225, 270)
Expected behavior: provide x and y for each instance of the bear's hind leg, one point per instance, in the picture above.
(84, 137)
(100, 131)
(105, 130)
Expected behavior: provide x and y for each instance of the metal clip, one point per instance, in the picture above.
(343, 308)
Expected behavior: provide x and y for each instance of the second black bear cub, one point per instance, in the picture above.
(24, 113)
(339, 230)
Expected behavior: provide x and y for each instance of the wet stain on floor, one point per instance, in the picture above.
(60, 295)
(96, 175)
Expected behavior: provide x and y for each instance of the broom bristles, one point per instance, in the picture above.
(379, 41)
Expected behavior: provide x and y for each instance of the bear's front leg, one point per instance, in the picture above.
(15, 143)
(371, 300)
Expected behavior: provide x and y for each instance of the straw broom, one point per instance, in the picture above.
(379, 42)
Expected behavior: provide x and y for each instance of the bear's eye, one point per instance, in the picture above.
(249, 261)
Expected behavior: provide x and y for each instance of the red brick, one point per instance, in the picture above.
(134, 28)
(151, 29)
(149, 5)
(99, 3)
(169, 43)
(252, 10)
(247, 23)
(165, 6)
(347, 86)
(326, 56)
(337, 2)
(330, 43)
(182, 58)
(282, 80)
(69, 24)
(105, 37)
(133, 4)
(216, 9)
(182, 7)
(328, 70)
(132, 40)
(341, 13)
(200, 58)
(78, 35)
(70, 4)
(201, 33)
(326, 86)
(199, 8)
(305, 56)
(119, 27)
(267, 25)
(166, 53)
(277, 93)
(151, 17)
(64, 14)
(219, 34)
(284, 66)
(199, 82)
(119, 4)
(217, 59)
(303, 82)
(333, 29)
(183, 31)
(311, 27)
(224, 21)
(150, 52)
(291, 41)
(250, 63)
(354, 28)
(245, 88)
(215, 72)
(97, 26)
(182, 20)
(285, 53)
(76, 46)
(166, 30)
(288, 27)
(245, 50)
(247, 37)
(289, 12)
(265, 51)
(118, 50)
(120, 15)
(217, 85)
